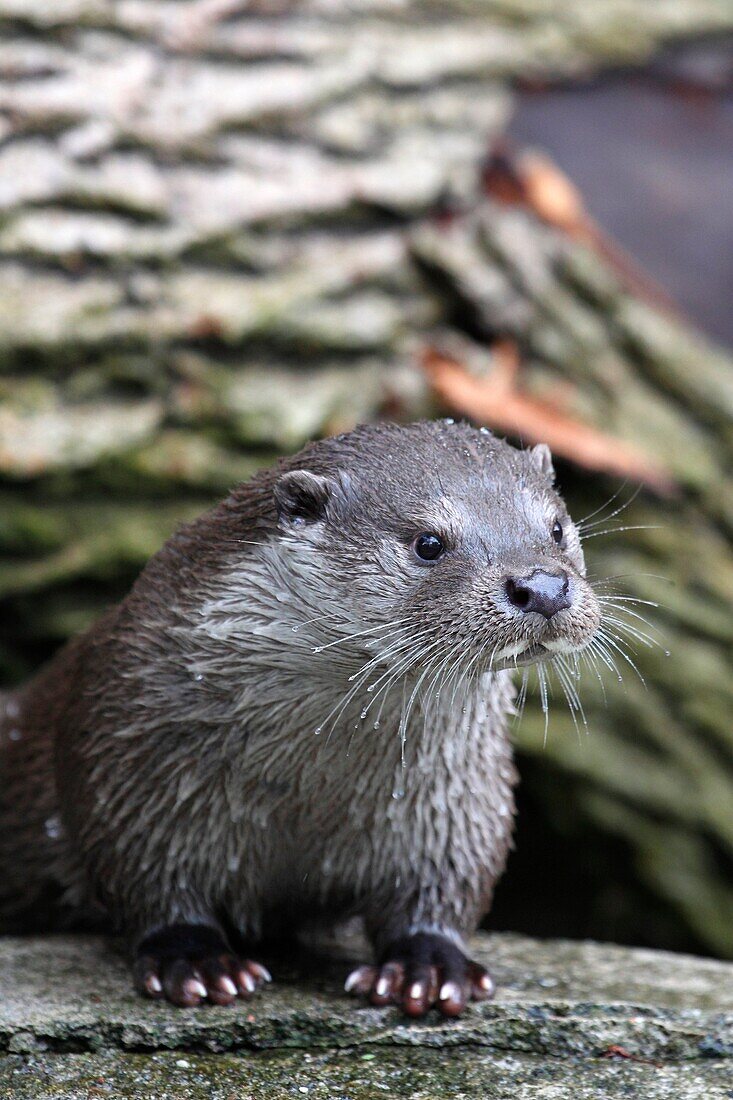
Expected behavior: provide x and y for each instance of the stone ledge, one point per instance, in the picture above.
(337, 1074)
(570, 1019)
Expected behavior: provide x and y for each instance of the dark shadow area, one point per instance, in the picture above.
(563, 883)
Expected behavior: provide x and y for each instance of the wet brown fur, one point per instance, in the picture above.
(166, 765)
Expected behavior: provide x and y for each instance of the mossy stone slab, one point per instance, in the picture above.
(580, 1020)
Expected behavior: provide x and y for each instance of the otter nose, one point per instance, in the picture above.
(546, 593)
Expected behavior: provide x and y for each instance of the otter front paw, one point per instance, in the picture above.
(422, 971)
(190, 963)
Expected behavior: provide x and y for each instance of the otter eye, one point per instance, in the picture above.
(557, 532)
(428, 547)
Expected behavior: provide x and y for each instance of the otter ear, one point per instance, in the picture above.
(542, 459)
(301, 497)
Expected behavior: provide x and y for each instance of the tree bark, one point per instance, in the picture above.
(228, 227)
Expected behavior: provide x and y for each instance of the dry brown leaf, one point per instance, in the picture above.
(534, 181)
(552, 196)
(496, 401)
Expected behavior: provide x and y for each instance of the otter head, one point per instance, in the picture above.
(440, 546)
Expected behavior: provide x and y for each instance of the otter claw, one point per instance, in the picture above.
(259, 972)
(421, 972)
(188, 964)
(186, 983)
(361, 980)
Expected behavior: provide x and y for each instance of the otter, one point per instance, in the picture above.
(302, 708)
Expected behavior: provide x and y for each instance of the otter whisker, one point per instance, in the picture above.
(246, 542)
(615, 644)
(439, 672)
(544, 699)
(378, 719)
(403, 665)
(399, 675)
(629, 576)
(622, 609)
(457, 679)
(575, 705)
(441, 661)
(359, 633)
(378, 659)
(404, 652)
(521, 699)
(460, 673)
(616, 530)
(454, 675)
(597, 647)
(569, 701)
(407, 711)
(393, 673)
(633, 632)
(432, 695)
(590, 658)
(359, 678)
(471, 664)
(563, 670)
(613, 598)
(582, 523)
(315, 618)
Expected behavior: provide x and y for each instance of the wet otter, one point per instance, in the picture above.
(301, 707)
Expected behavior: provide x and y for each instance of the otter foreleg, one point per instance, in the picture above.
(421, 971)
(191, 963)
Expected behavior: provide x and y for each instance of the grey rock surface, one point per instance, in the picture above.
(579, 1020)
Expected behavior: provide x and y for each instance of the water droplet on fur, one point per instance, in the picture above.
(363, 713)
(375, 725)
(53, 827)
(295, 629)
(621, 679)
(398, 792)
(318, 649)
(668, 653)
(448, 420)
(233, 863)
(199, 677)
(484, 431)
(371, 687)
(317, 730)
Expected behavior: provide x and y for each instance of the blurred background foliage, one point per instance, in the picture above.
(227, 228)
